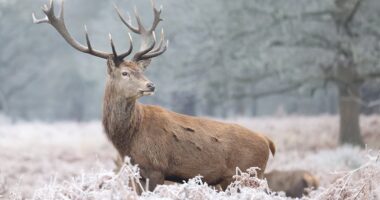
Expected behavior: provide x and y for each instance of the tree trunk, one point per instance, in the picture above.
(349, 110)
(3, 103)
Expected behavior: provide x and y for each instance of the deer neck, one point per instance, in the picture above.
(121, 119)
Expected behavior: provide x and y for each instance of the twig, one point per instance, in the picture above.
(369, 104)
(133, 185)
(356, 196)
(147, 184)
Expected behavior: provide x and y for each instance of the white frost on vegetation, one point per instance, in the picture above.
(360, 183)
(125, 184)
(42, 161)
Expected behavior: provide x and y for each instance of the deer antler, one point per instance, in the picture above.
(59, 24)
(147, 50)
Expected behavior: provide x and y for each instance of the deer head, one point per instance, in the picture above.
(124, 76)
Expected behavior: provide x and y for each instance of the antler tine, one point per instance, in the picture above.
(141, 28)
(160, 49)
(148, 35)
(156, 53)
(157, 14)
(121, 56)
(61, 11)
(59, 25)
(162, 38)
(112, 46)
(147, 54)
(139, 55)
(127, 23)
(49, 10)
(87, 39)
(39, 21)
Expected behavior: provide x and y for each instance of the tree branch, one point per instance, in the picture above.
(284, 88)
(369, 104)
(293, 85)
(286, 16)
(344, 14)
(309, 40)
(3, 102)
(257, 78)
(372, 75)
(354, 11)
(371, 30)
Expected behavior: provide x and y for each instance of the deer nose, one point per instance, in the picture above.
(151, 86)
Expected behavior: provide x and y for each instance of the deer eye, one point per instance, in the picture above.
(125, 74)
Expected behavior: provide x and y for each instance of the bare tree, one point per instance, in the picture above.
(13, 78)
(326, 44)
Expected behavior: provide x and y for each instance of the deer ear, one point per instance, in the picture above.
(110, 64)
(143, 64)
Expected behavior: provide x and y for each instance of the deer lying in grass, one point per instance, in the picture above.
(294, 183)
(166, 145)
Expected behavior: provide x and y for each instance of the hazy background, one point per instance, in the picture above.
(225, 59)
(305, 73)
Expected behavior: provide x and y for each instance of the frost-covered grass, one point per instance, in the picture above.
(359, 183)
(70, 160)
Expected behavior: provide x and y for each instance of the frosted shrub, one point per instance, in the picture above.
(33, 152)
(125, 184)
(3, 185)
(195, 188)
(360, 183)
(247, 179)
(103, 185)
(246, 185)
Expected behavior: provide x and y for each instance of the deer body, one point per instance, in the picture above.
(166, 145)
(177, 147)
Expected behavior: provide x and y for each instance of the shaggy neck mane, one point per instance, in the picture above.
(121, 119)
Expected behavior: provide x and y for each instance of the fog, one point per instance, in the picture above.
(225, 59)
(305, 74)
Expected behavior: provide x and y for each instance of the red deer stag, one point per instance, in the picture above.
(166, 145)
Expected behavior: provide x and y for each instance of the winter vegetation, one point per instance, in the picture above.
(66, 160)
(304, 73)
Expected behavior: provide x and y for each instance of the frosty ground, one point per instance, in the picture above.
(63, 160)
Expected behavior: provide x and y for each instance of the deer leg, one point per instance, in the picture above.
(153, 178)
(225, 182)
